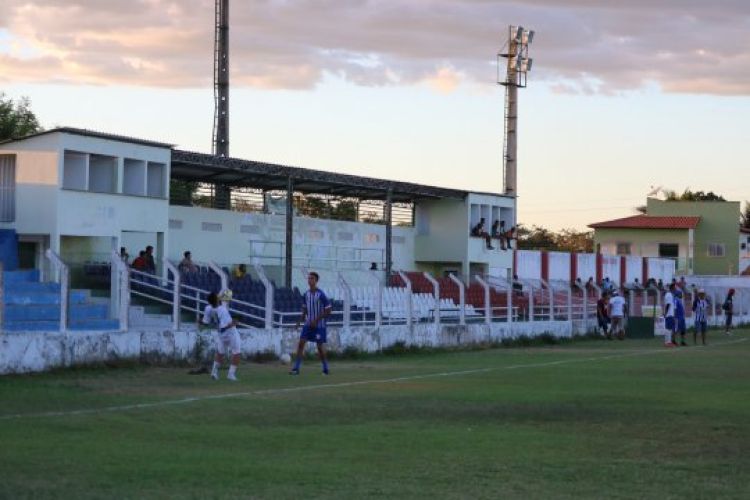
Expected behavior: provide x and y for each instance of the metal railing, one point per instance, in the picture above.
(61, 275)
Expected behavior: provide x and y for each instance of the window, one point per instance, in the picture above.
(249, 229)
(156, 180)
(669, 250)
(314, 235)
(372, 238)
(134, 177)
(7, 188)
(102, 174)
(399, 240)
(346, 236)
(623, 249)
(716, 250)
(74, 170)
(213, 227)
(175, 224)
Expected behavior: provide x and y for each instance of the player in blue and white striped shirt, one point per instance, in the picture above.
(700, 312)
(315, 310)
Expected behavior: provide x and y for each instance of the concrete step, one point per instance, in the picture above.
(32, 326)
(49, 312)
(94, 324)
(31, 298)
(32, 287)
(21, 276)
(151, 321)
(78, 312)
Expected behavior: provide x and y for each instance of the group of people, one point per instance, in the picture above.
(315, 309)
(497, 232)
(144, 262)
(611, 309)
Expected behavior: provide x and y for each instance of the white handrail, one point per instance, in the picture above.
(176, 296)
(487, 306)
(409, 299)
(222, 275)
(347, 301)
(63, 277)
(269, 295)
(435, 295)
(379, 299)
(461, 298)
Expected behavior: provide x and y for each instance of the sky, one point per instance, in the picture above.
(623, 97)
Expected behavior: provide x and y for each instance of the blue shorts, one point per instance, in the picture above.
(681, 327)
(317, 335)
(669, 323)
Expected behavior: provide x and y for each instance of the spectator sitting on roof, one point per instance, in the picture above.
(240, 271)
(149, 258)
(510, 235)
(186, 265)
(479, 232)
(373, 266)
(498, 232)
(660, 284)
(124, 255)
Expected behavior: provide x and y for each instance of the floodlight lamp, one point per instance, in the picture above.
(519, 34)
(528, 64)
(529, 36)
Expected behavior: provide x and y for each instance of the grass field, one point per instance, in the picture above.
(592, 419)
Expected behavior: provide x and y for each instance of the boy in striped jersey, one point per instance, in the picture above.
(700, 311)
(315, 310)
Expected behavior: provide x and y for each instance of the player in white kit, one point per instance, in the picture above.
(217, 315)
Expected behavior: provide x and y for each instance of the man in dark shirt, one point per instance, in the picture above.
(602, 313)
(479, 232)
(150, 264)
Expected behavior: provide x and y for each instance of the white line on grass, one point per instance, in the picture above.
(265, 392)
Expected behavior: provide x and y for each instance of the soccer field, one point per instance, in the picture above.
(592, 418)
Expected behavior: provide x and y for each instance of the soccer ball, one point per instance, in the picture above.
(285, 359)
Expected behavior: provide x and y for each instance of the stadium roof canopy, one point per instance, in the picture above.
(235, 172)
(204, 167)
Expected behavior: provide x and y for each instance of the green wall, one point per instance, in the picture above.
(719, 224)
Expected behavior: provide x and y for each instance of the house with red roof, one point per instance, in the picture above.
(701, 236)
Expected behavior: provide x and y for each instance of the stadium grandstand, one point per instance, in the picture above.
(80, 206)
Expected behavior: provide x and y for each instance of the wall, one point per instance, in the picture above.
(718, 224)
(644, 242)
(40, 351)
(233, 234)
(36, 184)
(442, 231)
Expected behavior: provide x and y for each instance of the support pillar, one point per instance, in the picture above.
(289, 254)
(388, 232)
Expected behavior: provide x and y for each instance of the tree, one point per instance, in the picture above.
(16, 118)
(745, 216)
(688, 195)
(566, 240)
(345, 210)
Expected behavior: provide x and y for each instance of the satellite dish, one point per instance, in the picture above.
(654, 191)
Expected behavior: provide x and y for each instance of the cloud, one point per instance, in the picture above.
(600, 46)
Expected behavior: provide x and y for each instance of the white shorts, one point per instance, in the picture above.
(230, 340)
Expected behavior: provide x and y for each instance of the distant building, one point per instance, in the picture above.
(700, 236)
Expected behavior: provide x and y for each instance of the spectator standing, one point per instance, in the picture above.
(679, 315)
(669, 338)
(602, 314)
(240, 271)
(617, 307)
(150, 264)
(124, 255)
(139, 263)
(186, 265)
(728, 308)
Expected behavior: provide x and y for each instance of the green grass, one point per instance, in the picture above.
(589, 419)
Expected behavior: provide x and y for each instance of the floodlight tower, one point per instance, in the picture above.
(221, 79)
(517, 65)
(222, 194)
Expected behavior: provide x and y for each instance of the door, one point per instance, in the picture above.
(7, 188)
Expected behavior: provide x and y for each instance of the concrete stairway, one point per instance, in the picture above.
(34, 306)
